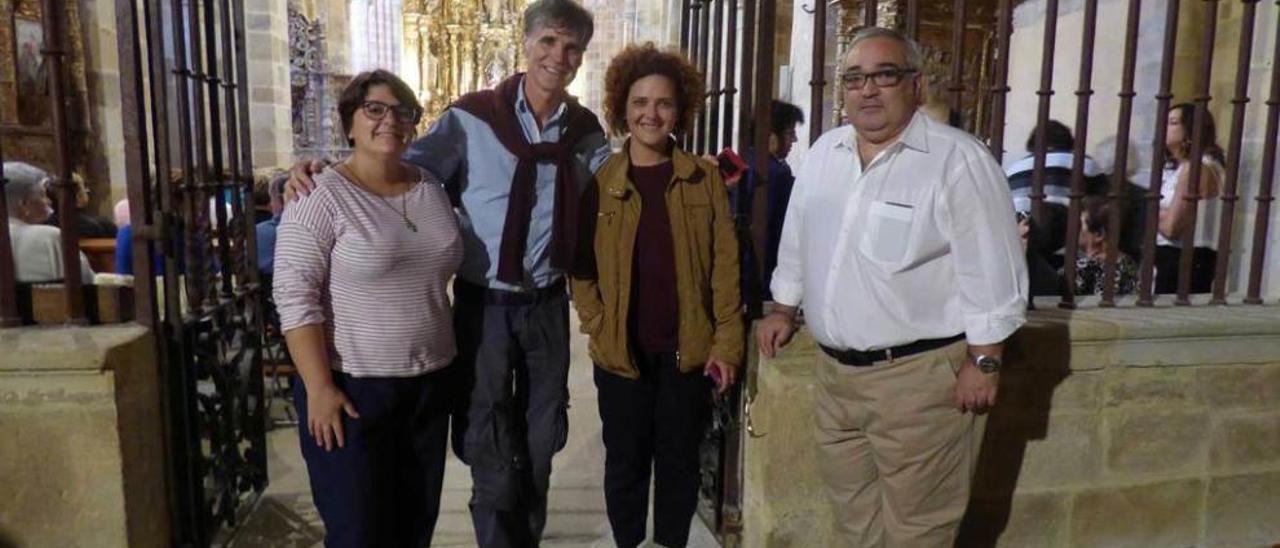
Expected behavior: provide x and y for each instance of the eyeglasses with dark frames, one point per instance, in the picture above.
(377, 110)
(886, 78)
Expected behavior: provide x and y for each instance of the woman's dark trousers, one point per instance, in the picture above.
(655, 423)
(383, 487)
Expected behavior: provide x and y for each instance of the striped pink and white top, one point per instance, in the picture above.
(345, 258)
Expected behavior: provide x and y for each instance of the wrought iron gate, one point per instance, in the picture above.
(185, 115)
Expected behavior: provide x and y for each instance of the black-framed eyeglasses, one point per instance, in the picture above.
(886, 78)
(377, 110)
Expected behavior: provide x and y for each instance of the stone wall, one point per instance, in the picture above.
(81, 463)
(267, 48)
(1134, 427)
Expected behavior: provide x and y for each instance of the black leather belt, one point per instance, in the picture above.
(860, 358)
(467, 291)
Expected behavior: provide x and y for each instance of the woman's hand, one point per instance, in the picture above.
(721, 372)
(325, 405)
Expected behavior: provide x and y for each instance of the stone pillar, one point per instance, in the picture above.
(105, 165)
(83, 455)
(267, 48)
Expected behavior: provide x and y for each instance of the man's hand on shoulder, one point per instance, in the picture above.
(300, 183)
(774, 331)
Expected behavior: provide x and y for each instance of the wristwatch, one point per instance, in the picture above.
(987, 364)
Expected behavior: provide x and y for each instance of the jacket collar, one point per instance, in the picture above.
(685, 168)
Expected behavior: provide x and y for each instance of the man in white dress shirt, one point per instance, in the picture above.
(901, 246)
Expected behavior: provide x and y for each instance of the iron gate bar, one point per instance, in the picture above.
(1147, 271)
(1264, 198)
(1084, 92)
(695, 40)
(748, 72)
(1042, 112)
(730, 66)
(763, 84)
(8, 284)
(132, 111)
(817, 77)
(1119, 172)
(1229, 186)
(55, 52)
(712, 109)
(186, 187)
(244, 138)
(233, 176)
(955, 88)
(685, 9)
(869, 18)
(913, 19)
(220, 185)
(1201, 100)
(200, 154)
(1000, 87)
(704, 44)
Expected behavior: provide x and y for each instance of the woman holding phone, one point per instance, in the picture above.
(656, 289)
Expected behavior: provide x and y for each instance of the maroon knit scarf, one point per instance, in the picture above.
(496, 107)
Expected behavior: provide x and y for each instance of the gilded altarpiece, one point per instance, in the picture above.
(460, 46)
(25, 110)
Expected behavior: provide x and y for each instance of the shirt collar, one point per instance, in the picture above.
(915, 137)
(522, 106)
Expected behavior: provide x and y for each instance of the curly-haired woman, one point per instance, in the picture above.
(656, 288)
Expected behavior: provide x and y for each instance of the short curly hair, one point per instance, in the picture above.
(638, 61)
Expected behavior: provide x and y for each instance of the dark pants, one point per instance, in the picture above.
(514, 353)
(1203, 261)
(383, 487)
(653, 423)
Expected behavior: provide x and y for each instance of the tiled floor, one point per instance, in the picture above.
(286, 517)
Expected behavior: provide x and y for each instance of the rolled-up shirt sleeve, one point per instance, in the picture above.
(304, 242)
(787, 284)
(989, 265)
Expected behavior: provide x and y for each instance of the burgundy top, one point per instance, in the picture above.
(654, 322)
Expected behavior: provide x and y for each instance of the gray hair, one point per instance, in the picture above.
(566, 14)
(910, 48)
(24, 182)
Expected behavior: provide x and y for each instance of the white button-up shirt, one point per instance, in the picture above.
(919, 244)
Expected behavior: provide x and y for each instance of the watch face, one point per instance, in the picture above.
(987, 364)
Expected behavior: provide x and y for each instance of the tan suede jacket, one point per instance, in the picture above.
(706, 259)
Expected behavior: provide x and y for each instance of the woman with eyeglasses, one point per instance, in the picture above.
(656, 288)
(361, 270)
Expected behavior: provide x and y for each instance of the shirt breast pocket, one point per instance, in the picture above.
(888, 233)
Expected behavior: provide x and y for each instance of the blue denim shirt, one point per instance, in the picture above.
(267, 243)
(463, 152)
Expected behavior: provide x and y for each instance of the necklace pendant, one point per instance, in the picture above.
(410, 224)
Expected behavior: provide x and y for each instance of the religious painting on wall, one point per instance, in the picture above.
(26, 125)
(32, 72)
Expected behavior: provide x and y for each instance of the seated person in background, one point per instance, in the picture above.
(266, 230)
(1059, 144)
(121, 212)
(37, 248)
(87, 224)
(1092, 254)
